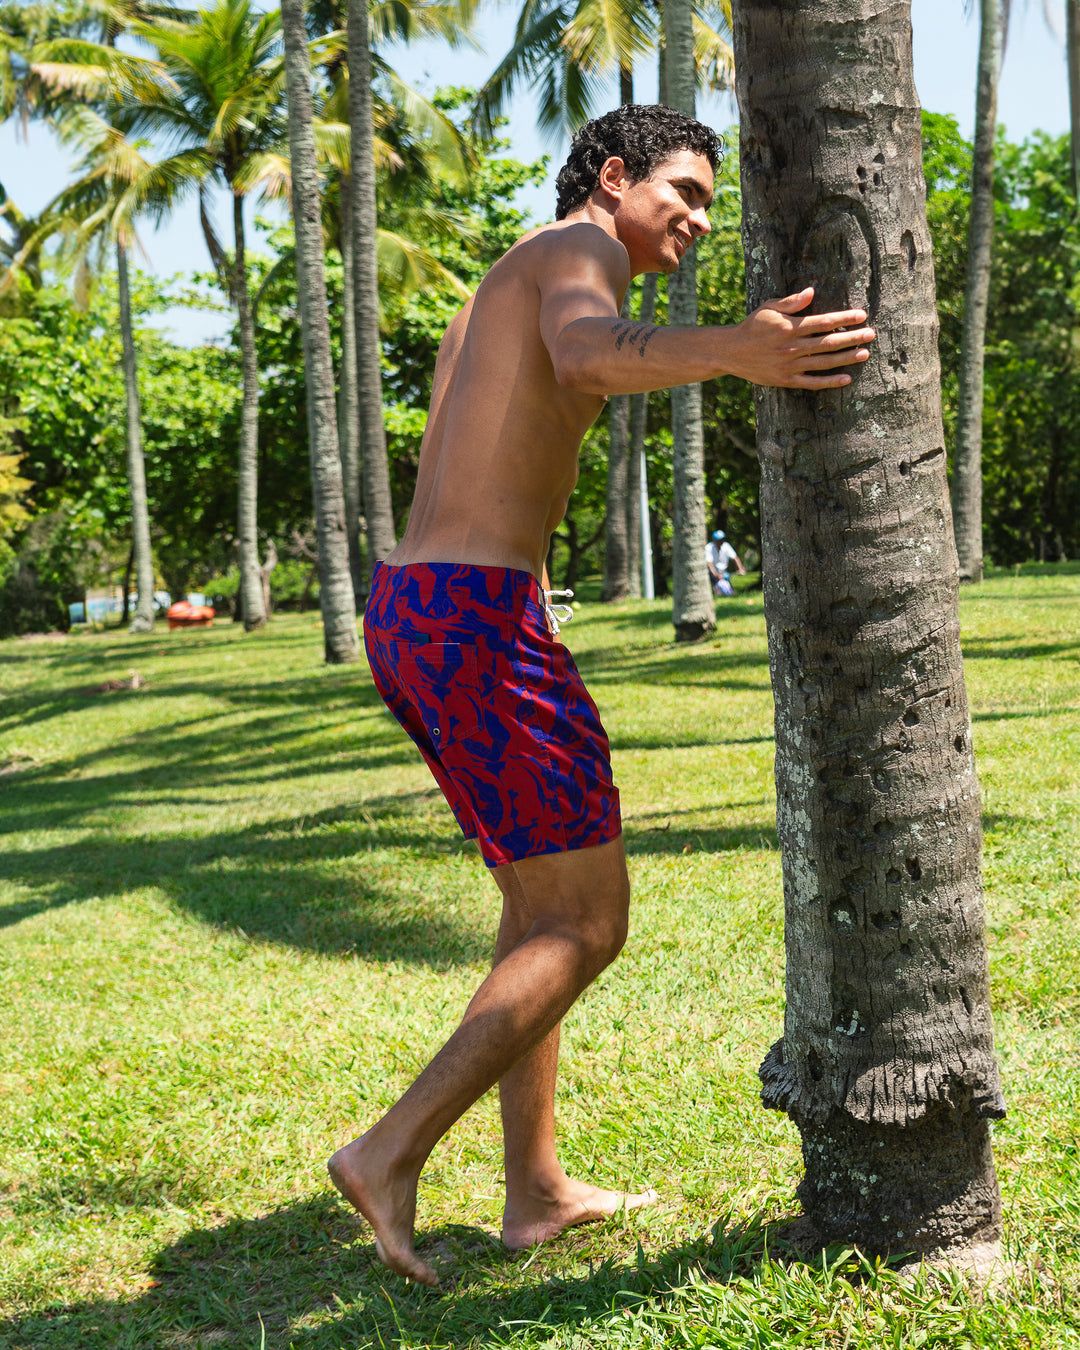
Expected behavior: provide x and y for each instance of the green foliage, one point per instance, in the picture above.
(49, 567)
(1031, 439)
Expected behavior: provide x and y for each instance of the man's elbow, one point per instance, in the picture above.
(577, 368)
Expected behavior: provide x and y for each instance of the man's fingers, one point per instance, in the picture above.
(826, 323)
(791, 304)
(820, 382)
(835, 341)
(830, 360)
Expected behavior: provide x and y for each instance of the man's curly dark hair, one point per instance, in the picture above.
(642, 135)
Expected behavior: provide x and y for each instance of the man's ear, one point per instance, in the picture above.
(613, 180)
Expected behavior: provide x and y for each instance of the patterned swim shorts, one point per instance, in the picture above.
(463, 658)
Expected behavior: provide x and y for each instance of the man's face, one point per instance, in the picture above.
(660, 217)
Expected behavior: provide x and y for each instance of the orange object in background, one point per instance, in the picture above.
(186, 615)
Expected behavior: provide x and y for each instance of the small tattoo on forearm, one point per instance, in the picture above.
(644, 338)
(621, 331)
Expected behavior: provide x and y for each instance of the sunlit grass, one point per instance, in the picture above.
(237, 918)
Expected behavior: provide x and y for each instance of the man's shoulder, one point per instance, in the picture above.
(567, 239)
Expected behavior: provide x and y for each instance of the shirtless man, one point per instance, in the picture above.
(459, 636)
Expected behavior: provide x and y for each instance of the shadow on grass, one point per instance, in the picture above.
(274, 881)
(305, 1277)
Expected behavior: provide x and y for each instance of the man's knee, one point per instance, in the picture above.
(605, 921)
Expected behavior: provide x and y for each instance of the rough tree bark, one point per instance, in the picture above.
(693, 608)
(967, 454)
(340, 642)
(886, 1063)
(143, 622)
(252, 605)
(378, 508)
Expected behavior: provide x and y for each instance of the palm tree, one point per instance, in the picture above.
(335, 583)
(693, 608)
(326, 20)
(887, 1062)
(378, 507)
(222, 114)
(569, 49)
(98, 208)
(967, 453)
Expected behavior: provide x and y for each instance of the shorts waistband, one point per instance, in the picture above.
(465, 577)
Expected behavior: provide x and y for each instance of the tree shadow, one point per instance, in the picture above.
(305, 1276)
(990, 648)
(272, 882)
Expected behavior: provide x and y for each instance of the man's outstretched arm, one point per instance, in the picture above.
(775, 345)
(596, 351)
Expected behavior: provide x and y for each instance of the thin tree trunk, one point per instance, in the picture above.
(143, 621)
(340, 643)
(617, 584)
(616, 552)
(247, 488)
(639, 555)
(886, 1063)
(967, 455)
(378, 508)
(1072, 43)
(693, 608)
(348, 406)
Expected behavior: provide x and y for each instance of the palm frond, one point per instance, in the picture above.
(537, 35)
(713, 58)
(269, 172)
(406, 266)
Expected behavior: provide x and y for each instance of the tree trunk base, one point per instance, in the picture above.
(694, 630)
(141, 624)
(924, 1188)
(982, 1264)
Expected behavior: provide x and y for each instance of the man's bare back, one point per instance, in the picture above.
(500, 455)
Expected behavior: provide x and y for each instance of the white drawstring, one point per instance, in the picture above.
(557, 613)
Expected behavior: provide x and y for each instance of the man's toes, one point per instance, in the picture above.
(407, 1264)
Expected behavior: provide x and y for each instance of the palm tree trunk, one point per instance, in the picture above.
(378, 507)
(143, 621)
(340, 641)
(967, 455)
(617, 584)
(1072, 43)
(693, 609)
(348, 406)
(616, 553)
(247, 485)
(886, 1063)
(639, 556)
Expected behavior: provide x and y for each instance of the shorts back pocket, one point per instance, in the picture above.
(440, 679)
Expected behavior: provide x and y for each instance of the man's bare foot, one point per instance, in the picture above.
(386, 1197)
(539, 1220)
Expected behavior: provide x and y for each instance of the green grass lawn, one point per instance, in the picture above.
(237, 918)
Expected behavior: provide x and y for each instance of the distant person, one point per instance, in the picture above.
(719, 554)
(460, 635)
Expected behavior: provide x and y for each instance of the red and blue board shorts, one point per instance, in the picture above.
(463, 658)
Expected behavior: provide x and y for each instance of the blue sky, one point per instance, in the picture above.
(1032, 96)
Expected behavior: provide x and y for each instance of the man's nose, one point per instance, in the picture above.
(699, 223)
